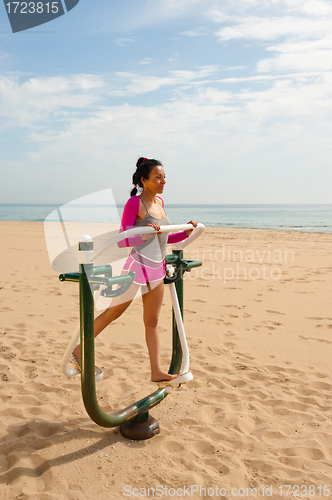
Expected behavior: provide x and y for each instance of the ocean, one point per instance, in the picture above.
(309, 218)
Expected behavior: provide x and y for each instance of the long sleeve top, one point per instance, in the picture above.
(129, 216)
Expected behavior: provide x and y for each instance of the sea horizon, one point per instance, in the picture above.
(310, 217)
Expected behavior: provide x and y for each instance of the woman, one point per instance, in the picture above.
(147, 259)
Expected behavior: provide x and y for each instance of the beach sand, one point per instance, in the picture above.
(256, 415)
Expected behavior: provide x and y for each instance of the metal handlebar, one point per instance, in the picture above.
(149, 230)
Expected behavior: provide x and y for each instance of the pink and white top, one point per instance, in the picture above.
(147, 258)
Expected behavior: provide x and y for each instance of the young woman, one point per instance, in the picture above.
(147, 259)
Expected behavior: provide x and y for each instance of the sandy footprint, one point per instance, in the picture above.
(274, 312)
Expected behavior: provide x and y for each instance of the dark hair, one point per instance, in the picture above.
(143, 169)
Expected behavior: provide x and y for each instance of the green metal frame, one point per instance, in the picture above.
(137, 412)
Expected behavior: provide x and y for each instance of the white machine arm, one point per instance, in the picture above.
(146, 230)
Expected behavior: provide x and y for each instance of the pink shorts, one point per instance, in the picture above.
(146, 270)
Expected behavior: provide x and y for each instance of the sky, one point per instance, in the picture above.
(234, 98)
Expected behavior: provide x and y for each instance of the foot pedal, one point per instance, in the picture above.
(169, 385)
(75, 371)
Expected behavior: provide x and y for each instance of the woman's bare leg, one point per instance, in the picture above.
(152, 301)
(117, 308)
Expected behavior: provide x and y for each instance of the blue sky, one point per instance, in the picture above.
(233, 97)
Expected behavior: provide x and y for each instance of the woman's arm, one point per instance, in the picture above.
(176, 237)
(129, 216)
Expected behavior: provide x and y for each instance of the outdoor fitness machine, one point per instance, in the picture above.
(134, 421)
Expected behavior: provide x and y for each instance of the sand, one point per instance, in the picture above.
(257, 414)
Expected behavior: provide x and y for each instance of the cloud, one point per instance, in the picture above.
(124, 42)
(301, 56)
(268, 78)
(147, 60)
(300, 30)
(150, 13)
(25, 102)
(262, 28)
(217, 16)
(310, 7)
(141, 84)
(173, 58)
(282, 128)
(220, 10)
(4, 56)
(193, 33)
(262, 129)
(170, 9)
(235, 68)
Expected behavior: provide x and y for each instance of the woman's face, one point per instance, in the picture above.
(156, 180)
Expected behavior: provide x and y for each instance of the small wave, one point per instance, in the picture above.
(292, 226)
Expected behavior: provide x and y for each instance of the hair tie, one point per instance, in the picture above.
(144, 159)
